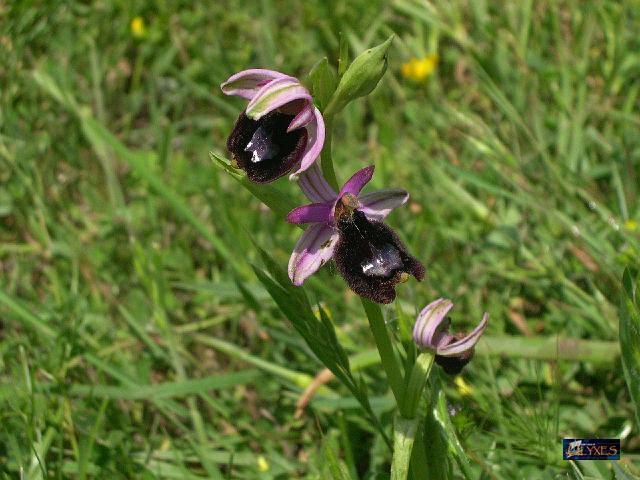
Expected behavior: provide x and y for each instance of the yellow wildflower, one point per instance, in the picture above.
(165, 445)
(138, 28)
(463, 387)
(631, 225)
(418, 69)
(263, 465)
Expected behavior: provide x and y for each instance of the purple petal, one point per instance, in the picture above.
(357, 181)
(314, 248)
(301, 119)
(314, 186)
(430, 327)
(315, 141)
(246, 84)
(275, 94)
(456, 349)
(377, 205)
(313, 213)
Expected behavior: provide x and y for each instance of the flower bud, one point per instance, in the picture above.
(361, 76)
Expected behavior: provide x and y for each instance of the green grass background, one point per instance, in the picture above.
(135, 341)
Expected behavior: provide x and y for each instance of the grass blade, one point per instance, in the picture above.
(167, 390)
(630, 337)
(25, 316)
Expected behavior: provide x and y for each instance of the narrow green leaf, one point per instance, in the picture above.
(630, 282)
(430, 451)
(87, 448)
(441, 415)
(319, 335)
(381, 404)
(167, 389)
(333, 469)
(622, 472)
(25, 316)
(299, 379)
(248, 297)
(139, 330)
(279, 274)
(165, 405)
(329, 333)
(548, 348)
(292, 309)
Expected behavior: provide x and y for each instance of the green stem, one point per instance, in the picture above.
(417, 380)
(331, 109)
(385, 348)
(407, 420)
(327, 160)
(404, 434)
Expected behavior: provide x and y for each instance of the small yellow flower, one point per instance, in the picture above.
(138, 28)
(463, 387)
(631, 225)
(165, 445)
(419, 69)
(263, 465)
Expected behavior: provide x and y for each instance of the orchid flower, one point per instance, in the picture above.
(279, 130)
(347, 227)
(431, 332)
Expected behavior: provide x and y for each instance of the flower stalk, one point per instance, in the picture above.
(417, 380)
(385, 348)
(326, 158)
(407, 419)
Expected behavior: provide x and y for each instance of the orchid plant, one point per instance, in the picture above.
(282, 130)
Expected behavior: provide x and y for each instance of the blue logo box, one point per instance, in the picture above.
(591, 448)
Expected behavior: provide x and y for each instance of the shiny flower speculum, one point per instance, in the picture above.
(371, 258)
(279, 131)
(347, 228)
(264, 149)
